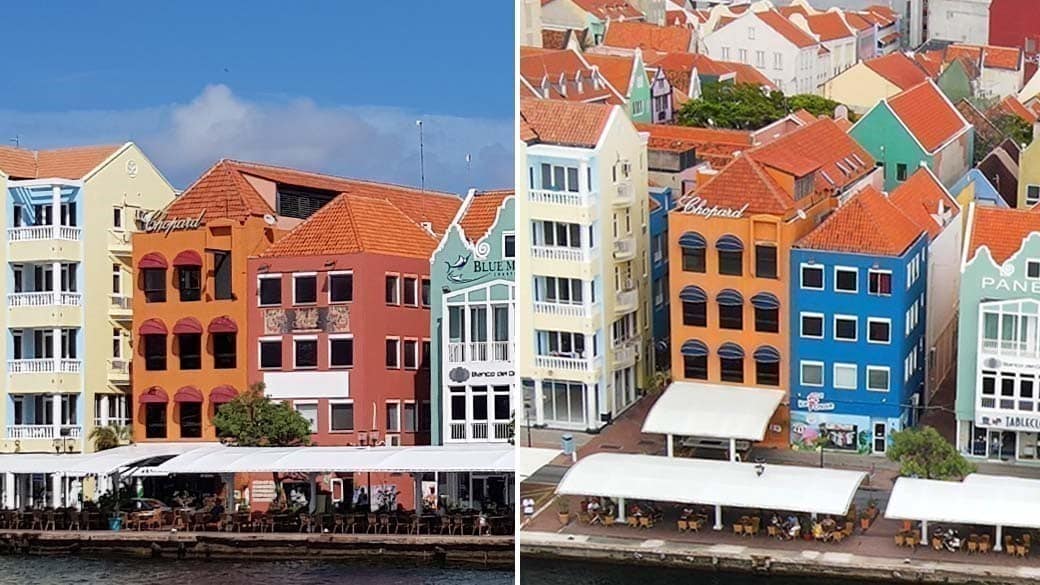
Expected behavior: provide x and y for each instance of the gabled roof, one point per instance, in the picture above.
(711, 144)
(857, 21)
(989, 56)
(1001, 230)
(616, 70)
(60, 163)
(931, 64)
(480, 212)
(829, 26)
(679, 66)
(613, 10)
(744, 181)
(1011, 105)
(897, 68)
(882, 16)
(568, 75)
(786, 28)
(925, 201)
(646, 36)
(563, 123)
(928, 115)
(868, 223)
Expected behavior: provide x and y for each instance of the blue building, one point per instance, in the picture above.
(660, 204)
(858, 326)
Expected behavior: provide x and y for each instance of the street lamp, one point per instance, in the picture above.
(527, 421)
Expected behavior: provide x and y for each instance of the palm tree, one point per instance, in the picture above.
(110, 437)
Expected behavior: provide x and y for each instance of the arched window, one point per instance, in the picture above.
(731, 255)
(695, 359)
(767, 366)
(731, 362)
(694, 248)
(767, 312)
(694, 306)
(731, 309)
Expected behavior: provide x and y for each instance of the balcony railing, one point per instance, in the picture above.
(121, 302)
(44, 431)
(480, 351)
(112, 421)
(626, 353)
(625, 194)
(625, 248)
(478, 431)
(44, 232)
(1010, 348)
(45, 366)
(627, 300)
(44, 299)
(564, 310)
(553, 362)
(563, 253)
(566, 198)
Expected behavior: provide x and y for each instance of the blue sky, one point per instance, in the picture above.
(334, 86)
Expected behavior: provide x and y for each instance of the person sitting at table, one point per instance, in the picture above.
(817, 531)
(636, 511)
(216, 513)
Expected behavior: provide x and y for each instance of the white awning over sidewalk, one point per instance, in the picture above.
(987, 500)
(717, 483)
(99, 463)
(713, 410)
(492, 458)
(530, 459)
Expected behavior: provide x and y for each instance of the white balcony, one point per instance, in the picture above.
(45, 366)
(480, 351)
(119, 371)
(44, 299)
(563, 254)
(627, 300)
(625, 248)
(582, 311)
(625, 194)
(37, 233)
(626, 353)
(561, 198)
(112, 421)
(490, 431)
(119, 242)
(44, 431)
(562, 362)
(1010, 348)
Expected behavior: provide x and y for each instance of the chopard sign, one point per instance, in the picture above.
(158, 222)
(698, 206)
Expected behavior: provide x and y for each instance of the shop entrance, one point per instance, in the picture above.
(1002, 444)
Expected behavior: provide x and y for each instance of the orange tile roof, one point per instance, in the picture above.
(616, 70)
(355, 224)
(747, 74)
(61, 163)
(718, 147)
(1002, 230)
(609, 9)
(897, 68)
(563, 123)
(481, 212)
(856, 21)
(868, 223)
(537, 64)
(971, 52)
(646, 36)
(677, 18)
(920, 197)
(928, 115)
(222, 192)
(793, 9)
(880, 15)
(743, 182)
(986, 55)
(678, 67)
(829, 26)
(786, 28)
(844, 124)
(1012, 106)
(931, 65)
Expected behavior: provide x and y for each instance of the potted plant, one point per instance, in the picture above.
(864, 520)
(872, 509)
(563, 511)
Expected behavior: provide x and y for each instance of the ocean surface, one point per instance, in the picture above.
(552, 572)
(71, 570)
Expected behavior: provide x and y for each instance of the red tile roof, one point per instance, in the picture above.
(868, 223)
(481, 212)
(1002, 230)
(646, 36)
(880, 15)
(538, 65)
(857, 22)
(786, 28)
(922, 197)
(1011, 105)
(718, 147)
(990, 56)
(563, 123)
(609, 9)
(678, 67)
(929, 63)
(61, 163)
(928, 115)
(616, 70)
(829, 26)
(793, 9)
(744, 182)
(897, 68)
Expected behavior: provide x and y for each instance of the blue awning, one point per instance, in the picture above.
(693, 294)
(692, 240)
(694, 348)
(731, 351)
(767, 354)
(765, 300)
(730, 297)
(729, 243)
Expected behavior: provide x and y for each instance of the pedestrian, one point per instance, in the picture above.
(528, 506)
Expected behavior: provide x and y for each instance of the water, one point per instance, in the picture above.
(553, 572)
(75, 571)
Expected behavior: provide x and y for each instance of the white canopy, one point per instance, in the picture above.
(490, 458)
(721, 483)
(988, 500)
(99, 463)
(712, 410)
(530, 459)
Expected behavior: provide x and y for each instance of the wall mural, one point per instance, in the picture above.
(335, 319)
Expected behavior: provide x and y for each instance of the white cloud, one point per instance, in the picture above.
(364, 142)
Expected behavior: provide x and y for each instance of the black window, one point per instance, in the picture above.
(270, 291)
(16, 218)
(117, 217)
(191, 419)
(731, 316)
(812, 326)
(342, 416)
(424, 359)
(767, 373)
(189, 282)
(765, 261)
(845, 328)
(846, 280)
(411, 354)
(900, 171)
(341, 288)
(393, 359)
(879, 331)
(224, 352)
(732, 369)
(222, 275)
(155, 421)
(425, 292)
(300, 203)
(154, 285)
(305, 289)
(812, 277)
(767, 320)
(509, 246)
(695, 367)
(410, 284)
(693, 260)
(189, 348)
(306, 352)
(392, 292)
(695, 313)
(1033, 269)
(271, 354)
(154, 352)
(341, 352)
(731, 262)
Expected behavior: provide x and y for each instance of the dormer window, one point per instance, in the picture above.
(563, 84)
(803, 186)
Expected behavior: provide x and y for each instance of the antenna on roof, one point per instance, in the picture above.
(469, 165)
(422, 169)
(16, 141)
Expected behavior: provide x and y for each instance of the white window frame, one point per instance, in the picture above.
(304, 275)
(328, 346)
(845, 366)
(317, 421)
(504, 236)
(415, 416)
(801, 373)
(417, 356)
(801, 325)
(260, 277)
(117, 273)
(328, 278)
(1031, 263)
(871, 271)
(853, 269)
(386, 404)
(801, 276)
(122, 218)
(834, 324)
(259, 345)
(885, 369)
(331, 402)
(397, 295)
(397, 362)
(879, 320)
(1031, 201)
(117, 336)
(296, 338)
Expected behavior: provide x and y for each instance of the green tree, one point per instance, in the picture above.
(816, 105)
(745, 106)
(923, 452)
(110, 437)
(254, 420)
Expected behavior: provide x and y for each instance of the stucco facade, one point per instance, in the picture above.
(1029, 175)
(965, 21)
(859, 88)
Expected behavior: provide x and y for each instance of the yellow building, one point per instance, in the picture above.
(866, 83)
(1029, 173)
(582, 212)
(68, 216)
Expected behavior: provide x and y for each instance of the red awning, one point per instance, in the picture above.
(188, 258)
(154, 395)
(223, 324)
(187, 325)
(153, 327)
(152, 260)
(188, 394)
(222, 394)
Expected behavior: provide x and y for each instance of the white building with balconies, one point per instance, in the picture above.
(582, 210)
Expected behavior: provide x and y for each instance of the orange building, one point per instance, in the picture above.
(729, 244)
